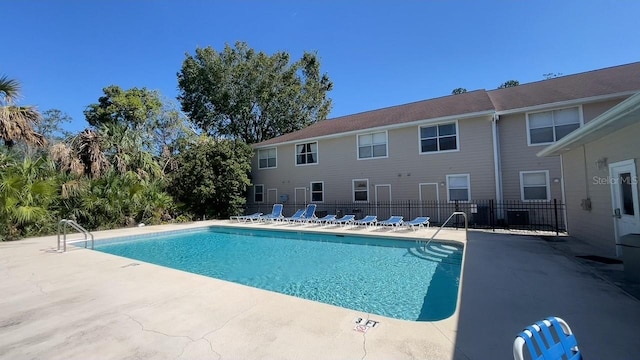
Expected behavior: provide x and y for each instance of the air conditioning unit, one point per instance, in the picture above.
(517, 217)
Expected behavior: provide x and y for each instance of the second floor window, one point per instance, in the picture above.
(441, 137)
(550, 126)
(267, 158)
(372, 145)
(307, 153)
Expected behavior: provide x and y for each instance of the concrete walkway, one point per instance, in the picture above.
(86, 304)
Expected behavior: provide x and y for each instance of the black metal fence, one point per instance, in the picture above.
(483, 214)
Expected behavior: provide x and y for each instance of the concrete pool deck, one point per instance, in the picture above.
(87, 304)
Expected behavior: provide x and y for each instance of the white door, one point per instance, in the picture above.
(383, 201)
(624, 198)
(272, 196)
(430, 201)
(300, 196)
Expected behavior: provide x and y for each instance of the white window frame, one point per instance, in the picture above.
(255, 187)
(386, 144)
(295, 153)
(580, 124)
(276, 157)
(311, 191)
(468, 188)
(353, 190)
(437, 137)
(548, 185)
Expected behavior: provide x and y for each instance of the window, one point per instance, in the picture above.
(626, 191)
(267, 158)
(372, 145)
(534, 185)
(258, 193)
(458, 187)
(307, 153)
(317, 191)
(550, 126)
(442, 137)
(361, 190)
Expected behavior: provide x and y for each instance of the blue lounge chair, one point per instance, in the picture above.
(344, 220)
(276, 213)
(559, 342)
(324, 220)
(417, 222)
(394, 221)
(308, 215)
(245, 218)
(368, 220)
(297, 215)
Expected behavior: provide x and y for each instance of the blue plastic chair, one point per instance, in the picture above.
(417, 222)
(276, 213)
(368, 220)
(559, 343)
(295, 216)
(346, 219)
(308, 214)
(394, 221)
(245, 218)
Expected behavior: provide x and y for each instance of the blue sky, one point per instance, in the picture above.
(377, 53)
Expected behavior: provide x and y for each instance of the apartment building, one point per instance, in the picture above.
(479, 145)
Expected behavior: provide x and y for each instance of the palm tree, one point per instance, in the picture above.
(17, 122)
(27, 188)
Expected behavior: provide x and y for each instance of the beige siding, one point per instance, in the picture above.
(592, 110)
(517, 156)
(581, 175)
(404, 168)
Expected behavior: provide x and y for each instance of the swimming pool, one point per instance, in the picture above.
(383, 276)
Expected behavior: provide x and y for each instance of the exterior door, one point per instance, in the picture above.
(383, 201)
(624, 199)
(272, 196)
(300, 196)
(430, 201)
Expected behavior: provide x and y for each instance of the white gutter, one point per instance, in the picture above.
(567, 103)
(613, 119)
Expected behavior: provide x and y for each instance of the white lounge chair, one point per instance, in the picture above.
(559, 342)
(244, 218)
(417, 222)
(276, 213)
(394, 221)
(368, 220)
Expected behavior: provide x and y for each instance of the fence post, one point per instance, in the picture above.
(555, 210)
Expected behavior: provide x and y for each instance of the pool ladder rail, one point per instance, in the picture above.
(63, 224)
(466, 227)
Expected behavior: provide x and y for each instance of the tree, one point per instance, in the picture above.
(17, 122)
(551, 75)
(457, 91)
(134, 109)
(248, 95)
(50, 125)
(27, 188)
(509, 83)
(212, 177)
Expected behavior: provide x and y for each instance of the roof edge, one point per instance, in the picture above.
(378, 128)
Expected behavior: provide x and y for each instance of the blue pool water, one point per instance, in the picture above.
(395, 278)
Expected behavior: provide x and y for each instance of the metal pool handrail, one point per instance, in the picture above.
(466, 226)
(75, 225)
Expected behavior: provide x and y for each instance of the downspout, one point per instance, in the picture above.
(496, 164)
